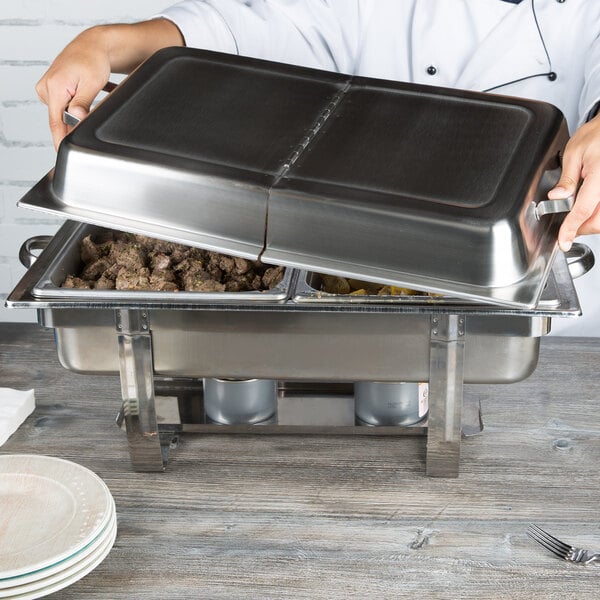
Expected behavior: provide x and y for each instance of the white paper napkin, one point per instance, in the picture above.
(15, 407)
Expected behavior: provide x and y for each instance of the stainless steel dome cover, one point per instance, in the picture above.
(398, 183)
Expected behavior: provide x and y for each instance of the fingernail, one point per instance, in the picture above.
(78, 111)
(565, 246)
(559, 191)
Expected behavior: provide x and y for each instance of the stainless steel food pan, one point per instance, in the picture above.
(425, 187)
(66, 260)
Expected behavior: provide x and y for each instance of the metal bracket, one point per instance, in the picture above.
(149, 451)
(446, 368)
(137, 389)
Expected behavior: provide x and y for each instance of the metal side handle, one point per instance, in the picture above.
(580, 259)
(27, 256)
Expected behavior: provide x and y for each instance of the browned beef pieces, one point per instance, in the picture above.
(160, 261)
(105, 283)
(193, 282)
(130, 256)
(272, 276)
(133, 279)
(124, 261)
(195, 279)
(241, 283)
(163, 281)
(94, 270)
(73, 282)
(90, 251)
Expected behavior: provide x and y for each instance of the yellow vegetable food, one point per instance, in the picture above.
(333, 284)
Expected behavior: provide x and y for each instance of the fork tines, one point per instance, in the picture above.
(549, 542)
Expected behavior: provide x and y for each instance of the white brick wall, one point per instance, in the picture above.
(32, 32)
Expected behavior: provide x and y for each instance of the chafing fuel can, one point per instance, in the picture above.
(390, 403)
(240, 401)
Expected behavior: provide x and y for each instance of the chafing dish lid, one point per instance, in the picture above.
(398, 183)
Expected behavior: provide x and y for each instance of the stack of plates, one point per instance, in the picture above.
(57, 523)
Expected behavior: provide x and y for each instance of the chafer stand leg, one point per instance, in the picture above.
(446, 361)
(137, 388)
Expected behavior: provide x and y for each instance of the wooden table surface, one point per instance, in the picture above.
(278, 516)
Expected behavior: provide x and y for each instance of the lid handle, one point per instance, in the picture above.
(551, 207)
(71, 120)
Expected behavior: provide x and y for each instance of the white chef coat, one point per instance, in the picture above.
(541, 49)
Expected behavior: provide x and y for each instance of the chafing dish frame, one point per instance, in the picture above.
(449, 327)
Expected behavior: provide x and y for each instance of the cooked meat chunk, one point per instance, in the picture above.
(159, 261)
(112, 271)
(196, 279)
(247, 281)
(215, 273)
(233, 265)
(95, 269)
(179, 253)
(90, 251)
(224, 263)
(162, 285)
(163, 280)
(272, 276)
(73, 282)
(125, 261)
(187, 265)
(242, 265)
(200, 281)
(133, 279)
(105, 283)
(128, 255)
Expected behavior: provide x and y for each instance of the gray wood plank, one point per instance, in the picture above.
(272, 516)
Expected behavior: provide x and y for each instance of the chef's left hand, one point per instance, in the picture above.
(580, 163)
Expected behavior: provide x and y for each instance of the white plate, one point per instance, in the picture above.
(63, 565)
(51, 509)
(63, 580)
(74, 567)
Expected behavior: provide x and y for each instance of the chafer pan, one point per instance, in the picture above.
(429, 188)
(316, 341)
(67, 261)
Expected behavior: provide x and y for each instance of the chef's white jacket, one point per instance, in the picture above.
(541, 49)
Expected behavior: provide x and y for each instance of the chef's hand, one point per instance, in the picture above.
(74, 79)
(580, 163)
(82, 69)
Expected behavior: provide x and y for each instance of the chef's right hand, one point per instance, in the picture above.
(74, 79)
(82, 69)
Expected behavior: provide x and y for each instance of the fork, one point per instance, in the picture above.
(560, 549)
